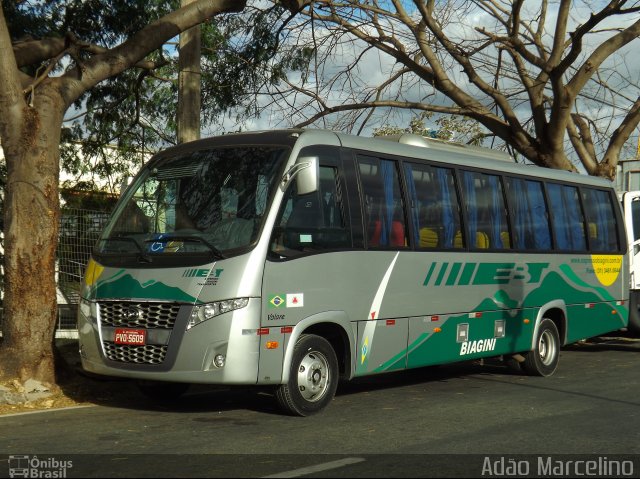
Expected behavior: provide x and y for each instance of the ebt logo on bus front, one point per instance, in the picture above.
(606, 268)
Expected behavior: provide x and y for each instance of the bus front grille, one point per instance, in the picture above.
(129, 314)
(147, 354)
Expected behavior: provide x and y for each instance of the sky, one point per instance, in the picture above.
(374, 67)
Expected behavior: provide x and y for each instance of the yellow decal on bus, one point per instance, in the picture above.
(606, 268)
(94, 270)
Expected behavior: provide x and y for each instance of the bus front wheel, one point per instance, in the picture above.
(313, 377)
(543, 360)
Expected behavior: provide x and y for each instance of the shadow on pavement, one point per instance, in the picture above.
(83, 388)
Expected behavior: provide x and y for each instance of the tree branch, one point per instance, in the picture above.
(33, 52)
(383, 104)
(600, 54)
(620, 136)
(582, 141)
(131, 52)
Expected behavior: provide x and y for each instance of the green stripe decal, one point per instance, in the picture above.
(566, 269)
(426, 280)
(128, 287)
(443, 270)
(467, 273)
(453, 275)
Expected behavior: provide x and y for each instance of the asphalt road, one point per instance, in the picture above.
(457, 420)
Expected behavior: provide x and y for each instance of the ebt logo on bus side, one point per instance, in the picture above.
(463, 274)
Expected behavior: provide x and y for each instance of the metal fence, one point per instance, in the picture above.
(79, 230)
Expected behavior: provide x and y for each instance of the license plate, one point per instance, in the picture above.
(136, 337)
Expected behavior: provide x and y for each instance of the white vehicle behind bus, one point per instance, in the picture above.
(631, 205)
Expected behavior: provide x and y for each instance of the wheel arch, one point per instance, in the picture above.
(334, 326)
(556, 311)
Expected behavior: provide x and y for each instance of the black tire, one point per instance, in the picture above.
(162, 391)
(313, 378)
(634, 314)
(543, 360)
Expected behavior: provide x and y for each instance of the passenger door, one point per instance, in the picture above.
(307, 274)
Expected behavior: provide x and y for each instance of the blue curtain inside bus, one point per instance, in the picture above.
(415, 203)
(496, 208)
(386, 169)
(530, 215)
(600, 221)
(471, 201)
(567, 218)
(448, 219)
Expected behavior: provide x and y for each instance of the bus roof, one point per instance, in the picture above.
(406, 146)
(454, 155)
(442, 145)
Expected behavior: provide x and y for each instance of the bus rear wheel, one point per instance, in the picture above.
(543, 360)
(313, 378)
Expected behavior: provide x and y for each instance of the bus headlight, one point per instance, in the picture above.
(207, 311)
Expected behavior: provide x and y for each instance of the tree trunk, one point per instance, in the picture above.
(31, 235)
(189, 83)
(606, 169)
(555, 159)
(31, 143)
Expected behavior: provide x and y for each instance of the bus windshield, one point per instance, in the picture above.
(206, 204)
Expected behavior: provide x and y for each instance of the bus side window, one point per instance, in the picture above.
(601, 220)
(567, 219)
(529, 213)
(487, 224)
(313, 222)
(384, 207)
(435, 210)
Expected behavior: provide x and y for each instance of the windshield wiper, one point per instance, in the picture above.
(142, 256)
(188, 239)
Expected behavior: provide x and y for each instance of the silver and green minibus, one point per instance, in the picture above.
(298, 258)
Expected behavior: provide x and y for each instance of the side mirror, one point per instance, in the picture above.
(306, 172)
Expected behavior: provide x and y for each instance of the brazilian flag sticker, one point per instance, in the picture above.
(276, 300)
